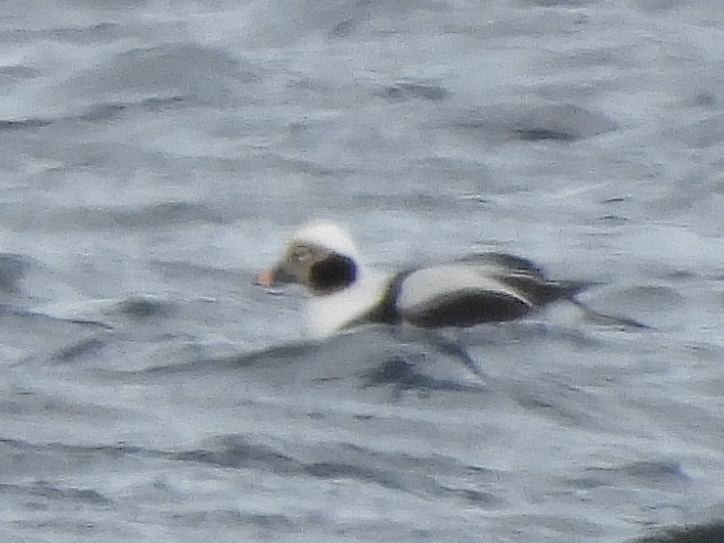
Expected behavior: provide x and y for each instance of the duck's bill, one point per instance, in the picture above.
(266, 278)
(273, 277)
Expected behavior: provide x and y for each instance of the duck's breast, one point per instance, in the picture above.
(328, 314)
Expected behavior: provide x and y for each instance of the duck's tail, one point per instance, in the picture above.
(596, 317)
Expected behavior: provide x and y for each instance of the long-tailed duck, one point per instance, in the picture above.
(487, 287)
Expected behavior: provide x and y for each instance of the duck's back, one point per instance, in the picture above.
(487, 287)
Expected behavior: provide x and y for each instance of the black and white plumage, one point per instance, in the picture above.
(488, 287)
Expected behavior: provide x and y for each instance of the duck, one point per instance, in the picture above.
(474, 289)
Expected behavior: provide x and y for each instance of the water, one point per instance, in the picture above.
(154, 156)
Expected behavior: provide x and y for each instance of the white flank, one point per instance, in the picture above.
(423, 286)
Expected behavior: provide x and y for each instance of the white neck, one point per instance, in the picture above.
(332, 312)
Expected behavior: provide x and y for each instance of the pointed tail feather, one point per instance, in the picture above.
(597, 317)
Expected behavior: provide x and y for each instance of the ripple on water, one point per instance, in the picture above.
(556, 122)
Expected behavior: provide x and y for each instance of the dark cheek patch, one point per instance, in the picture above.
(333, 273)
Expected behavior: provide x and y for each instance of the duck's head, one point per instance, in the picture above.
(320, 256)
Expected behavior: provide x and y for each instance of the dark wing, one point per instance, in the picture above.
(464, 308)
(543, 292)
(525, 277)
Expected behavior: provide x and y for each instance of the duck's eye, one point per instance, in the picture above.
(301, 254)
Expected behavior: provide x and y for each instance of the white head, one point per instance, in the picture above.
(321, 256)
(329, 235)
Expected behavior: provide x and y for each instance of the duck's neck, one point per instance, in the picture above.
(329, 313)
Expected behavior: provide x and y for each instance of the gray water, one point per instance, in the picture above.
(155, 155)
